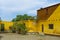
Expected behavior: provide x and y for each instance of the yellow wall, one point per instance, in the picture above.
(7, 24)
(46, 27)
(31, 25)
(53, 19)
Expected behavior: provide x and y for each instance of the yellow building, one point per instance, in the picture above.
(4, 25)
(48, 20)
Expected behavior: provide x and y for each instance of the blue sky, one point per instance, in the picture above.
(10, 8)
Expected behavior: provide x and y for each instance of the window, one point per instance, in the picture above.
(50, 26)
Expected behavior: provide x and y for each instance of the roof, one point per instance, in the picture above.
(49, 7)
(45, 13)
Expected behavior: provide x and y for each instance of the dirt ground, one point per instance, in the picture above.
(12, 36)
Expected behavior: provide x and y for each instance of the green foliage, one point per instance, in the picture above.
(23, 17)
(13, 29)
(20, 28)
(0, 27)
(0, 19)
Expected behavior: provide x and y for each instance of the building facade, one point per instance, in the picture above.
(4, 25)
(48, 20)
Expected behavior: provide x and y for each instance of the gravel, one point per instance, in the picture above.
(13, 36)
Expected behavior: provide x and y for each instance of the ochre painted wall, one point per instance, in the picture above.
(31, 25)
(7, 24)
(53, 19)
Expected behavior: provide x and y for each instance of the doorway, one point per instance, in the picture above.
(42, 28)
(2, 27)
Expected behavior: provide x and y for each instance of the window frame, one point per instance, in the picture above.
(51, 26)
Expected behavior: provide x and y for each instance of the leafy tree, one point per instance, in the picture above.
(21, 28)
(23, 17)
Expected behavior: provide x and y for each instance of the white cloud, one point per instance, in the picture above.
(9, 7)
(21, 4)
(32, 12)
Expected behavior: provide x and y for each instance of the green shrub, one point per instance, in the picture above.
(22, 28)
(19, 28)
